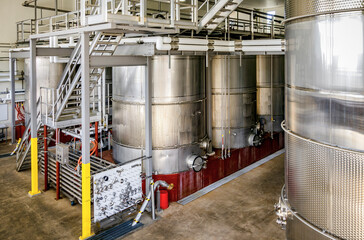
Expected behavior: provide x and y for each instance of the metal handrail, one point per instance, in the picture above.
(24, 144)
(185, 15)
(24, 29)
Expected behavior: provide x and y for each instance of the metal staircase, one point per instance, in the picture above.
(217, 14)
(67, 105)
(22, 154)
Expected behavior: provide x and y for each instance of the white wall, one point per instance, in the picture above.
(12, 11)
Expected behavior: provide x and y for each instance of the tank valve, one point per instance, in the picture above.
(197, 163)
(206, 146)
(256, 137)
(282, 212)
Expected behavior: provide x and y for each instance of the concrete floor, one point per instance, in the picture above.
(240, 209)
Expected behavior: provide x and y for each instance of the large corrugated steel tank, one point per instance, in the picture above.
(48, 76)
(238, 75)
(178, 111)
(270, 91)
(325, 119)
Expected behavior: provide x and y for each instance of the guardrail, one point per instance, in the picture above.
(152, 13)
(58, 22)
(241, 25)
(24, 29)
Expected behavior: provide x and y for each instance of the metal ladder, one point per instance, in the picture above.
(68, 93)
(22, 154)
(217, 14)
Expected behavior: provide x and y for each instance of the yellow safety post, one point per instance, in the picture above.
(85, 111)
(34, 167)
(86, 201)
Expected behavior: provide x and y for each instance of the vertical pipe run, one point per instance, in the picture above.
(97, 138)
(209, 98)
(148, 127)
(228, 109)
(172, 12)
(252, 24)
(222, 110)
(83, 12)
(158, 200)
(34, 120)
(271, 95)
(12, 79)
(35, 10)
(45, 159)
(85, 111)
(153, 200)
(225, 106)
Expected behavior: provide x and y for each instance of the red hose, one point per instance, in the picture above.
(79, 162)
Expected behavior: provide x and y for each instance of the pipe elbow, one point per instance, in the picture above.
(170, 186)
(163, 184)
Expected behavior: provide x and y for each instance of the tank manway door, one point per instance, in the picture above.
(117, 189)
(197, 163)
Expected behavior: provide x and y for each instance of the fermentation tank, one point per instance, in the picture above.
(233, 100)
(178, 111)
(48, 76)
(270, 92)
(325, 119)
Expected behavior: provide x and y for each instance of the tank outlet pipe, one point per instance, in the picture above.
(153, 186)
(206, 146)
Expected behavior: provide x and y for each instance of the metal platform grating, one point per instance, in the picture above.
(117, 231)
(227, 179)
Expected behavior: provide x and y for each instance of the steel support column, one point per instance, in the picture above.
(148, 128)
(209, 97)
(33, 119)
(12, 93)
(85, 136)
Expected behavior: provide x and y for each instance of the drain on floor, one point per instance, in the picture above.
(117, 231)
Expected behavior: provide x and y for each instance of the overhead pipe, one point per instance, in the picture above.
(204, 45)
